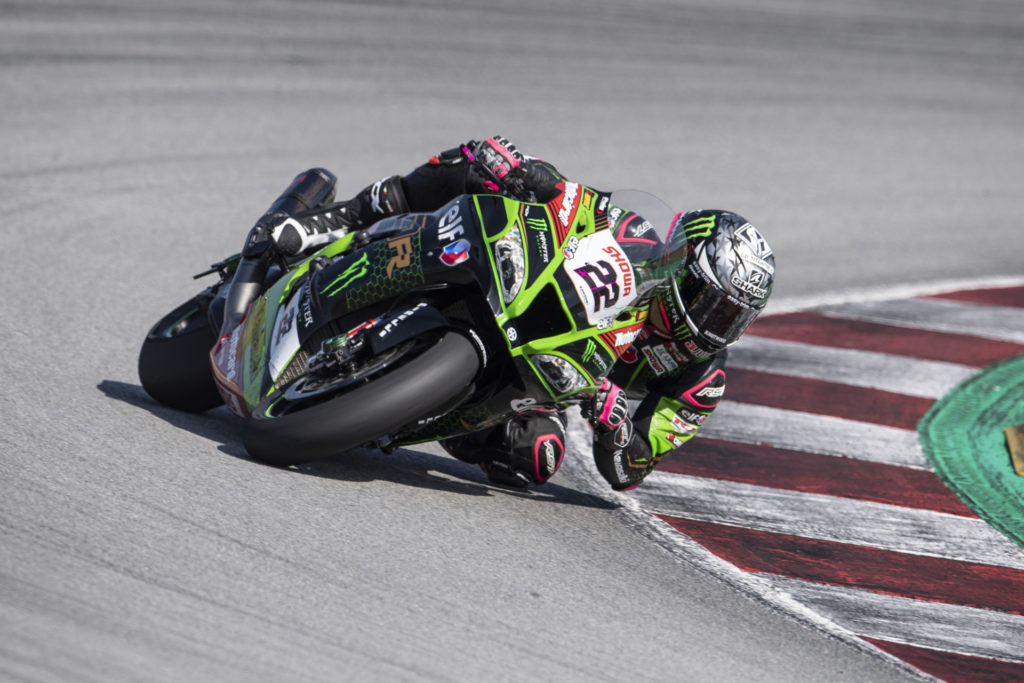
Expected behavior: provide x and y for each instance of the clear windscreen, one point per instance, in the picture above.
(647, 205)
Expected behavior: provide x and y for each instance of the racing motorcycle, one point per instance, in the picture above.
(418, 328)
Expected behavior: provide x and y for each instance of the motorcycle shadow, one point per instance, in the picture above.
(419, 467)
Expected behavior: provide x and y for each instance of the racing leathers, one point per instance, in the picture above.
(673, 385)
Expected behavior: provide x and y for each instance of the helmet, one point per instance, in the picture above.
(724, 271)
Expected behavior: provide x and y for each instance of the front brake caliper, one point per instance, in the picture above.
(335, 357)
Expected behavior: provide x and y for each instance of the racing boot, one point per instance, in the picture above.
(297, 234)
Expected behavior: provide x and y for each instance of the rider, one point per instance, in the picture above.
(719, 274)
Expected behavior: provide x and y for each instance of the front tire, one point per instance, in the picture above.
(422, 387)
(174, 363)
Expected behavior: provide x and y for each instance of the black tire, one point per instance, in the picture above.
(420, 388)
(174, 363)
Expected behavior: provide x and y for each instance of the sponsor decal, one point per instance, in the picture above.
(750, 285)
(359, 328)
(285, 340)
(620, 471)
(643, 229)
(545, 250)
(674, 439)
(603, 276)
(677, 355)
(624, 434)
(691, 417)
(394, 322)
(614, 215)
(754, 241)
(403, 254)
(620, 340)
(512, 334)
(306, 308)
(355, 270)
(232, 361)
(285, 323)
(711, 392)
(714, 337)
(588, 199)
(704, 395)
(626, 337)
(536, 223)
(652, 359)
(694, 350)
(569, 250)
(681, 426)
(759, 262)
(567, 210)
(549, 456)
(450, 226)
(454, 254)
(603, 204)
(666, 358)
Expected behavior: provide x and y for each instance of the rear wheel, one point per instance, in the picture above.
(174, 363)
(312, 420)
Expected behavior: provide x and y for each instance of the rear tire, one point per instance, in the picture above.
(422, 387)
(174, 363)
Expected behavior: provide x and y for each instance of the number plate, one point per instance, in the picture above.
(603, 276)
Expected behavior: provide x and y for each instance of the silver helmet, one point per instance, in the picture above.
(723, 281)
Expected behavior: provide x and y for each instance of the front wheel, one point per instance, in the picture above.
(420, 387)
(174, 363)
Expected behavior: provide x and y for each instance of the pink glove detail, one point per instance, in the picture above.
(610, 406)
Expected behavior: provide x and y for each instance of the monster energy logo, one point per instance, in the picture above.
(589, 352)
(699, 227)
(355, 271)
(537, 223)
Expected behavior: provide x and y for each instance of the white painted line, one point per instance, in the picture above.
(935, 625)
(582, 473)
(822, 434)
(1002, 323)
(888, 292)
(829, 518)
(899, 374)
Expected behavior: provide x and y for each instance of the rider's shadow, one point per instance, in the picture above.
(405, 466)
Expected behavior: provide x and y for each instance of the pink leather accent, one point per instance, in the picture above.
(609, 402)
(512, 161)
(536, 455)
(690, 394)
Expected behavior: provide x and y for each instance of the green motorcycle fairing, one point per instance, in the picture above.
(565, 298)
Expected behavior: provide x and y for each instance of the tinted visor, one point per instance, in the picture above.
(711, 314)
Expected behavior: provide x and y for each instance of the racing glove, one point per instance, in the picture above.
(498, 167)
(621, 459)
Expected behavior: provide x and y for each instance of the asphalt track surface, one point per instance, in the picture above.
(876, 145)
